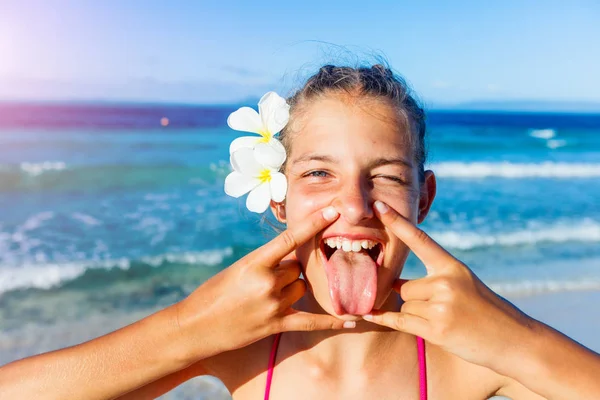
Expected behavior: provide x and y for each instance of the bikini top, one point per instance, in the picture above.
(421, 356)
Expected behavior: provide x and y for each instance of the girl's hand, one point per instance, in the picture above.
(253, 298)
(451, 307)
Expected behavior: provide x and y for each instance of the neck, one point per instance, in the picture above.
(370, 343)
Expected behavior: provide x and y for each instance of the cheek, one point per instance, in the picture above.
(302, 201)
(404, 202)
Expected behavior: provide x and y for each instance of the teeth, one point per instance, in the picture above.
(349, 245)
(346, 245)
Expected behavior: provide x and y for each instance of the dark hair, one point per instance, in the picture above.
(377, 81)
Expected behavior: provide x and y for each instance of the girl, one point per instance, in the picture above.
(352, 329)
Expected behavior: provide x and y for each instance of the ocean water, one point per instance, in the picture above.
(104, 211)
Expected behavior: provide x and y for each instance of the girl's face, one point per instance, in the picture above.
(349, 154)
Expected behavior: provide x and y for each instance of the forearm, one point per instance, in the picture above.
(165, 384)
(105, 367)
(554, 366)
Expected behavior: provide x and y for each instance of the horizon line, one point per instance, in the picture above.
(510, 106)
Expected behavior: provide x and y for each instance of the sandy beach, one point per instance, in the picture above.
(573, 313)
(576, 314)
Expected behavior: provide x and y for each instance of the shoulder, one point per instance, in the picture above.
(243, 366)
(466, 380)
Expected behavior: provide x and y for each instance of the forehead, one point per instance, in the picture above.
(363, 129)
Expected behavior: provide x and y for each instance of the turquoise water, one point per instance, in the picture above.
(103, 210)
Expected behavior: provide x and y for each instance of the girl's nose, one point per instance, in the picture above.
(354, 204)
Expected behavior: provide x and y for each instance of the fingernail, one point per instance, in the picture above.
(381, 207)
(368, 317)
(349, 324)
(330, 213)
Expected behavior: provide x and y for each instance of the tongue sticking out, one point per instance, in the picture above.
(352, 280)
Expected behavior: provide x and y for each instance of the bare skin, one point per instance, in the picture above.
(347, 157)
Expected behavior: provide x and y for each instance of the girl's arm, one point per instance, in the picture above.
(250, 300)
(102, 368)
(453, 309)
(165, 384)
(553, 365)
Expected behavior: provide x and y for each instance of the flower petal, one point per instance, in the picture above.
(244, 161)
(274, 112)
(271, 154)
(244, 141)
(245, 119)
(278, 186)
(237, 184)
(259, 198)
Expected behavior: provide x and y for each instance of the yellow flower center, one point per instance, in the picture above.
(264, 176)
(266, 136)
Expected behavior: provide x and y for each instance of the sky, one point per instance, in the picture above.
(227, 51)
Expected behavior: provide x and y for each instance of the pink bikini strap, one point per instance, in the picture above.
(271, 365)
(421, 356)
(422, 368)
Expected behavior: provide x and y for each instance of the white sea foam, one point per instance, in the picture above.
(510, 170)
(556, 143)
(213, 257)
(585, 231)
(86, 219)
(35, 169)
(154, 227)
(48, 275)
(532, 287)
(35, 221)
(542, 133)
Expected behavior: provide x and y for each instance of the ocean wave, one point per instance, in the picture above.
(542, 133)
(533, 287)
(50, 275)
(86, 219)
(462, 170)
(60, 176)
(556, 143)
(35, 169)
(584, 231)
(35, 221)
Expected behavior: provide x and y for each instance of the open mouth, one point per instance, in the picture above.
(351, 267)
(332, 244)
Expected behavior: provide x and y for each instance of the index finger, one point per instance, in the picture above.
(424, 247)
(287, 241)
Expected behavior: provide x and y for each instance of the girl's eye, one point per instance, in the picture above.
(317, 174)
(392, 178)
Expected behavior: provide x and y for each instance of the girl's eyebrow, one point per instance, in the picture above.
(315, 157)
(380, 162)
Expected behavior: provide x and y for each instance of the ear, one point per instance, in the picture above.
(426, 195)
(278, 210)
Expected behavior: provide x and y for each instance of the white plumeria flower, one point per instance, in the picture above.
(272, 116)
(255, 172)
